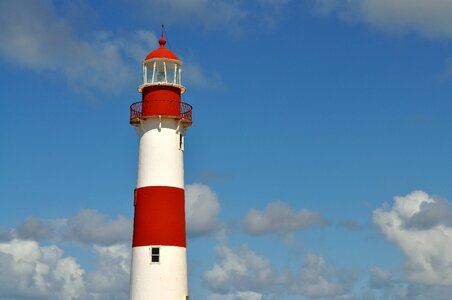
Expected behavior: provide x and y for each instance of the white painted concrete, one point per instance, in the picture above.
(166, 280)
(161, 160)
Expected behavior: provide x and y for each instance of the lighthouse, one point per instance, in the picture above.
(159, 260)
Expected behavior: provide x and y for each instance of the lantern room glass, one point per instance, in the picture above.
(162, 71)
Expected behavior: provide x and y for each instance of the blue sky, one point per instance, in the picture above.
(318, 165)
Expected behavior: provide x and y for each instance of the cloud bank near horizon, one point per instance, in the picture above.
(417, 223)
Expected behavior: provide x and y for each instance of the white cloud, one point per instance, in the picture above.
(316, 278)
(28, 270)
(428, 18)
(33, 36)
(110, 279)
(194, 75)
(385, 285)
(280, 219)
(87, 227)
(380, 279)
(202, 208)
(242, 270)
(418, 224)
(90, 226)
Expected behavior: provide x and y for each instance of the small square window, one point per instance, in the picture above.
(155, 255)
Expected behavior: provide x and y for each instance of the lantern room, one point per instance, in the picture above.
(161, 88)
(162, 67)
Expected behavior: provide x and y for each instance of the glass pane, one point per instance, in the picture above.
(155, 251)
(155, 258)
(149, 73)
(160, 72)
(170, 72)
(179, 79)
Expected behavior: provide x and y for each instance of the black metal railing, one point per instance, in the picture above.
(136, 109)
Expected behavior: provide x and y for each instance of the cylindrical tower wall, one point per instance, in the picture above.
(159, 221)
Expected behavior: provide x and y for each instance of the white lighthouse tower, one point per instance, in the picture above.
(159, 263)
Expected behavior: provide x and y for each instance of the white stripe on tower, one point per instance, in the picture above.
(160, 162)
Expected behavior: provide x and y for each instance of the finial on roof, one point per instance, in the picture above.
(162, 40)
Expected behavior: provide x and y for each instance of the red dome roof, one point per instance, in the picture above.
(162, 52)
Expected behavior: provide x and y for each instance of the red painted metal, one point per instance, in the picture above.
(162, 52)
(159, 217)
(161, 108)
(161, 91)
(153, 107)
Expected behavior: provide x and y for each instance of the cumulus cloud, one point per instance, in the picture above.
(110, 278)
(422, 291)
(431, 214)
(195, 76)
(202, 208)
(380, 279)
(87, 227)
(29, 270)
(428, 18)
(278, 218)
(419, 224)
(6, 235)
(34, 36)
(385, 285)
(243, 271)
(317, 278)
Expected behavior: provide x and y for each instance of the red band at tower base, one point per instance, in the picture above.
(159, 216)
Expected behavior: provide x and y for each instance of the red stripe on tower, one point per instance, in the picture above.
(159, 217)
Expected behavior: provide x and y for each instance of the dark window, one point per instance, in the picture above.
(181, 142)
(155, 254)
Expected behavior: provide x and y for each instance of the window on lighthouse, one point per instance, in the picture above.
(155, 254)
